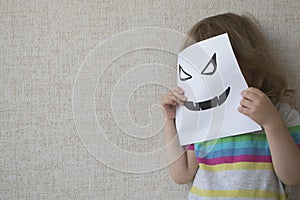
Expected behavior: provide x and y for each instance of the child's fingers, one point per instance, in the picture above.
(179, 93)
(244, 110)
(176, 99)
(252, 92)
(171, 99)
(246, 103)
(246, 107)
(178, 89)
(249, 95)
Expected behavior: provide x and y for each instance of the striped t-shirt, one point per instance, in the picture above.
(237, 167)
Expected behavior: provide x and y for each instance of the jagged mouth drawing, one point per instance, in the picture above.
(208, 104)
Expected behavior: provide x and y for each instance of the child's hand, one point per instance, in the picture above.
(257, 105)
(171, 100)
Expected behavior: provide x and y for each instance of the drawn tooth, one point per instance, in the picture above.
(192, 105)
(214, 102)
(223, 96)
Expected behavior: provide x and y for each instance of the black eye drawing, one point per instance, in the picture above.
(183, 75)
(211, 66)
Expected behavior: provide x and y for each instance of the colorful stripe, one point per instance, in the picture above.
(237, 152)
(237, 166)
(238, 194)
(234, 159)
(294, 128)
(238, 156)
(220, 145)
(240, 148)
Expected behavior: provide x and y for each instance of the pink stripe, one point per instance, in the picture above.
(298, 146)
(233, 159)
(190, 147)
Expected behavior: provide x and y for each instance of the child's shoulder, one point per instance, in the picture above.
(290, 116)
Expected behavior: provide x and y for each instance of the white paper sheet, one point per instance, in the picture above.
(209, 74)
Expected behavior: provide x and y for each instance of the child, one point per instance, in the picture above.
(249, 166)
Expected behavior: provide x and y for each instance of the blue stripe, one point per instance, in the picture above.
(235, 152)
(296, 136)
(232, 145)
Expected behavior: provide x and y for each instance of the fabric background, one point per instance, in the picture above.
(42, 47)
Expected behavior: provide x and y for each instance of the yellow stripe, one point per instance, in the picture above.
(238, 193)
(237, 166)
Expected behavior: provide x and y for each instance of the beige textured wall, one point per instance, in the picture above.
(43, 44)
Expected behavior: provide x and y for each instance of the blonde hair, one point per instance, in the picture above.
(251, 50)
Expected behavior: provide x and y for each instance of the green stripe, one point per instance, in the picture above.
(236, 138)
(294, 128)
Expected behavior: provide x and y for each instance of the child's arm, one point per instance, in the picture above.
(285, 153)
(182, 164)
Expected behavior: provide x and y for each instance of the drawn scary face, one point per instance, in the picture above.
(210, 76)
(208, 70)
